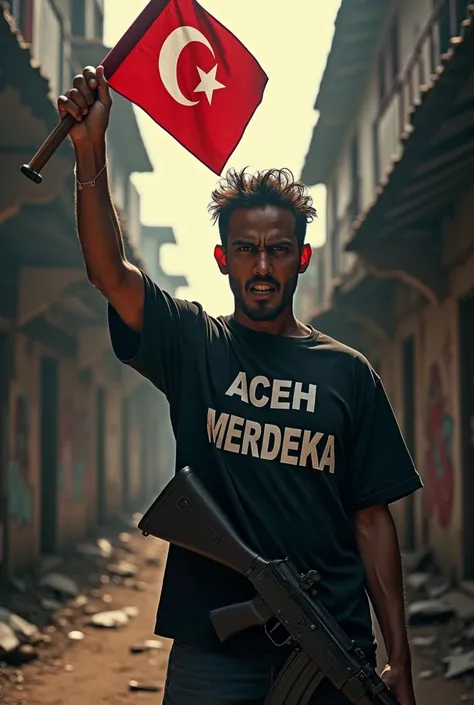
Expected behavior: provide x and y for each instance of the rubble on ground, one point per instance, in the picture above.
(48, 610)
(441, 618)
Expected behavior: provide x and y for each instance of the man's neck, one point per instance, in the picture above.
(286, 325)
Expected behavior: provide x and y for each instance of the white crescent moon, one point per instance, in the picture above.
(169, 57)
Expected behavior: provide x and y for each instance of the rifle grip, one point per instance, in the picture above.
(233, 619)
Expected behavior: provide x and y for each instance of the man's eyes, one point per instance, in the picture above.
(275, 248)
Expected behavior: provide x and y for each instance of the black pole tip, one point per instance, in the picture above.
(31, 174)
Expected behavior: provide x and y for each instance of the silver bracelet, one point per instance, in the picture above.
(81, 184)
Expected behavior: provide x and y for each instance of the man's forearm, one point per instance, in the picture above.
(97, 222)
(380, 552)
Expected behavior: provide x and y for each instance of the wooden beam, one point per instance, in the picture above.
(417, 262)
(39, 288)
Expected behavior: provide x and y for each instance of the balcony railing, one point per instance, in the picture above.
(392, 120)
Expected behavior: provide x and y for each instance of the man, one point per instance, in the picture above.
(290, 431)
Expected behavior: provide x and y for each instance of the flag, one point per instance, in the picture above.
(191, 75)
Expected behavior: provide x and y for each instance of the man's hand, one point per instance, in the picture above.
(400, 682)
(91, 110)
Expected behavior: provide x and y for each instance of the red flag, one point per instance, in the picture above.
(191, 75)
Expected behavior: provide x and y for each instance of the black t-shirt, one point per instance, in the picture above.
(291, 436)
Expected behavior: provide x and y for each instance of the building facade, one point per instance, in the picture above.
(80, 433)
(394, 145)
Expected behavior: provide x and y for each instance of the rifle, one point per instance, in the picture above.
(186, 515)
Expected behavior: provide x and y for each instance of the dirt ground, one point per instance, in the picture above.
(98, 668)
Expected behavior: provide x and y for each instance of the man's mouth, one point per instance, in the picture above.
(262, 290)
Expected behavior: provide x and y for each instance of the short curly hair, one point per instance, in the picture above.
(276, 187)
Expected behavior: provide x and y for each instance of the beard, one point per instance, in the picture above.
(263, 311)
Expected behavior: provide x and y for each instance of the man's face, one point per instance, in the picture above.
(263, 260)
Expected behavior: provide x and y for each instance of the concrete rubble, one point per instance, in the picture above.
(47, 611)
(443, 616)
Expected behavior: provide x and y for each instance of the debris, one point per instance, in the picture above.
(429, 612)
(417, 581)
(23, 654)
(110, 619)
(60, 584)
(76, 635)
(107, 598)
(462, 604)
(135, 685)
(69, 668)
(131, 611)
(125, 537)
(20, 626)
(459, 664)
(105, 579)
(49, 563)
(80, 601)
(423, 641)
(438, 587)
(124, 569)
(426, 675)
(51, 605)
(417, 561)
(19, 584)
(140, 585)
(101, 549)
(8, 639)
(148, 645)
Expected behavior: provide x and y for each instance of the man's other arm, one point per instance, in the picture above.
(378, 544)
(98, 226)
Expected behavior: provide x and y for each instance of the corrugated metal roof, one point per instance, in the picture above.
(435, 108)
(357, 27)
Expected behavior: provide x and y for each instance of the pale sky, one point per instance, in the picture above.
(291, 41)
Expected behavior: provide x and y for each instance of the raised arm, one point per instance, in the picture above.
(89, 101)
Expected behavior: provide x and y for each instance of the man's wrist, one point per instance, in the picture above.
(401, 661)
(90, 158)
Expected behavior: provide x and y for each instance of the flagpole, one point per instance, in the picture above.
(47, 149)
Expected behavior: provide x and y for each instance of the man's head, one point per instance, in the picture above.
(262, 221)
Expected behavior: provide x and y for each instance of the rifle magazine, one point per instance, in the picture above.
(296, 682)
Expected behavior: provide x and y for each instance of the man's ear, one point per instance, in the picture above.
(221, 259)
(306, 253)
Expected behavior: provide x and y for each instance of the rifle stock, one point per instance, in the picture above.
(186, 515)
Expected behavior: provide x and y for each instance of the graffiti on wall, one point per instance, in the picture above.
(439, 454)
(20, 484)
(73, 448)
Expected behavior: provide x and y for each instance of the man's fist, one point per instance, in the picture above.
(89, 102)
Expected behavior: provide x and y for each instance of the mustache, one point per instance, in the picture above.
(262, 280)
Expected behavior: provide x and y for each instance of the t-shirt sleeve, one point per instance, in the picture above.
(382, 470)
(156, 352)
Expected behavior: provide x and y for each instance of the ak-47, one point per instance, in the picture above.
(185, 514)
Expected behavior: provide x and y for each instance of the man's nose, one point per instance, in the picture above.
(263, 266)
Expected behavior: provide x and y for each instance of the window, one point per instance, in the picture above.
(78, 18)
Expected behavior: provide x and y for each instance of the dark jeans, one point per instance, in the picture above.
(197, 677)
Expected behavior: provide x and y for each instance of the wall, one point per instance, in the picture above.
(76, 457)
(23, 478)
(437, 398)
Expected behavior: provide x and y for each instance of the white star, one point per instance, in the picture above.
(208, 83)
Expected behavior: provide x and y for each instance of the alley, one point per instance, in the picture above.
(100, 667)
